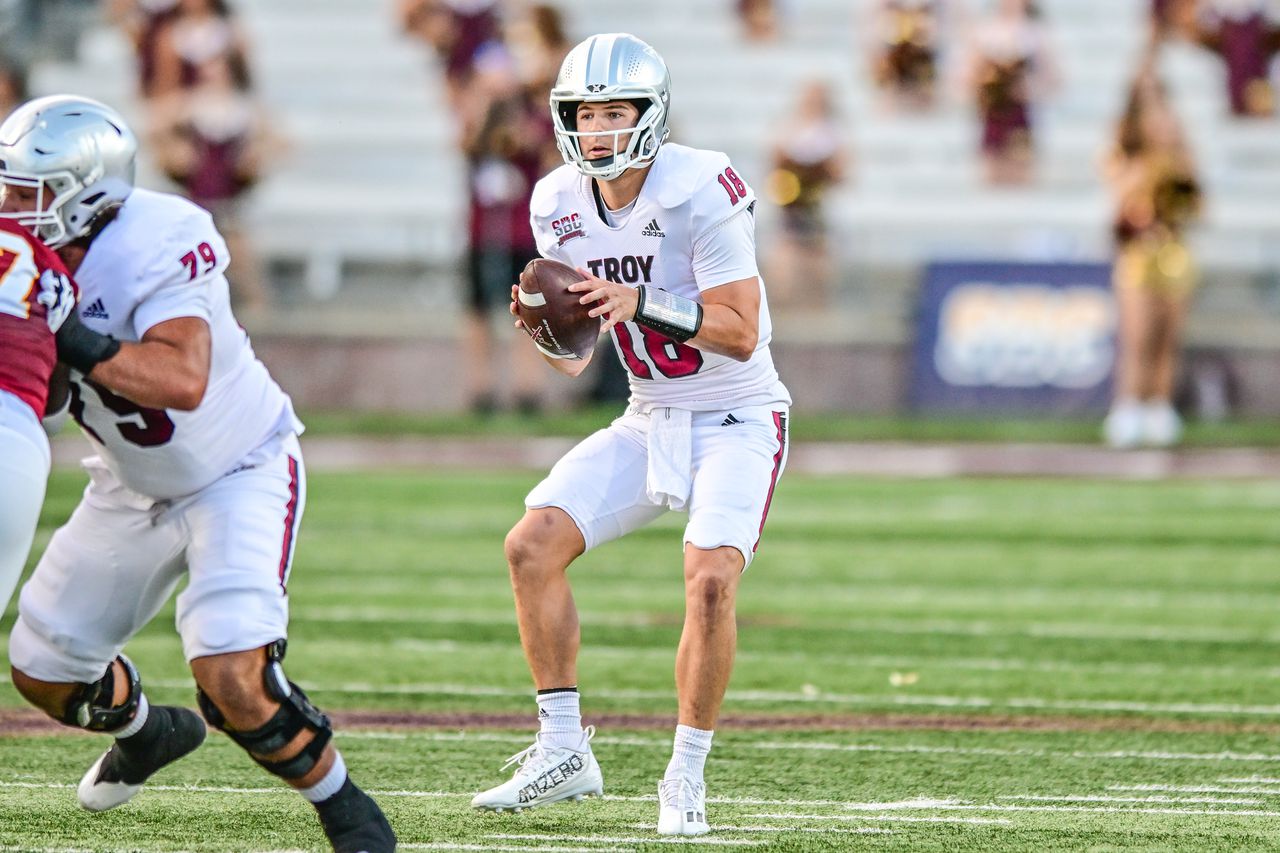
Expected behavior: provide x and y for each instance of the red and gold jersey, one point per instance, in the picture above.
(27, 349)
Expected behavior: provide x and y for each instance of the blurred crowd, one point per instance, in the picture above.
(1001, 61)
(208, 130)
(498, 65)
(497, 60)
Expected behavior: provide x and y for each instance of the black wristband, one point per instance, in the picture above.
(82, 347)
(675, 316)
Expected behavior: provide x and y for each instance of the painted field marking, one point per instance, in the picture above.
(1196, 789)
(664, 653)
(802, 697)
(662, 839)
(858, 830)
(651, 798)
(821, 746)
(1084, 798)
(996, 807)
(506, 848)
(1049, 630)
(1253, 780)
(887, 817)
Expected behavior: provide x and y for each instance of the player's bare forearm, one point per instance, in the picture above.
(167, 369)
(730, 319)
(727, 332)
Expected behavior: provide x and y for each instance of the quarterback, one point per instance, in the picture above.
(197, 474)
(664, 236)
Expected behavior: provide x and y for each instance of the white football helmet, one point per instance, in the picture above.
(76, 153)
(612, 67)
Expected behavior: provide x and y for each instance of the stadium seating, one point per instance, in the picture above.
(373, 180)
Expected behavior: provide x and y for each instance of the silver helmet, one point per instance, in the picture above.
(77, 154)
(612, 67)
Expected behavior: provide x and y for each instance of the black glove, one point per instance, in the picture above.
(82, 347)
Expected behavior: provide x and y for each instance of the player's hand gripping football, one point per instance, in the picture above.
(615, 302)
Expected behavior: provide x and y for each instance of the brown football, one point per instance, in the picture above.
(552, 314)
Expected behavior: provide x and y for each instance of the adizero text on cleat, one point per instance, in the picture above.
(546, 775)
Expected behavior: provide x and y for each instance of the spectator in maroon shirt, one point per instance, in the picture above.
(1247, 38)
(509, 144)
(1010, 68)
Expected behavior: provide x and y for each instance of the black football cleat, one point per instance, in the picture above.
(118, 774)
(354, 823)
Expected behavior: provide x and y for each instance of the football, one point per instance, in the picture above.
(552, 314)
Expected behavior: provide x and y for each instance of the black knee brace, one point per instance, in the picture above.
(90, 707)
(295, 714)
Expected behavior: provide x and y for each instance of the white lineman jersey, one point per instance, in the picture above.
(162, 259)
(679, 237)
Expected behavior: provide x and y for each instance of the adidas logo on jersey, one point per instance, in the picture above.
(96, 311)
(730, 421)
(652, 229)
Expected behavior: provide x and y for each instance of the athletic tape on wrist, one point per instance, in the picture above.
(674, 316)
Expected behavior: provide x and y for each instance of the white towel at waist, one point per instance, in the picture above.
(670, 457)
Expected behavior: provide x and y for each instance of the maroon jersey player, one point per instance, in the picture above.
(35, 294)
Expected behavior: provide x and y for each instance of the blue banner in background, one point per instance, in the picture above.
(1014, 338)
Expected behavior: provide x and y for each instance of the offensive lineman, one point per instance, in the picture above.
(36, 297)
(668, 236)
(198, 472)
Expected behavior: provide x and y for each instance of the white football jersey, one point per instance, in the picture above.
(159, 260)
(681, 237)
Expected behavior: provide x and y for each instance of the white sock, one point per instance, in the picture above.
(139, 720)
(329, 785)
(559, 718)
(690, 753)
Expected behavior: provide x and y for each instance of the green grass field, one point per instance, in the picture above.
(924, 665)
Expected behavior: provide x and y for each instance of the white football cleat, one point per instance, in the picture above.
(546, 775)
(683, 807)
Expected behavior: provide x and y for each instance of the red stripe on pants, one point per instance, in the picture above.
(779, 423)
(290, 520)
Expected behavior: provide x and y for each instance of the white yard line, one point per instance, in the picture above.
(507, 848)
(886, 817)
(803, 697)
(1253, 780)
(859, 830)
(827, 746)
(969, 628)
(659, 839)
(1085, 798)
(996, 807)
(1196, 789)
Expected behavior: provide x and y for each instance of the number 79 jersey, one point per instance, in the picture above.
(162, 259)
(691, 229)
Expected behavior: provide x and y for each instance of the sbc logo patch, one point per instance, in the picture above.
(568, 227)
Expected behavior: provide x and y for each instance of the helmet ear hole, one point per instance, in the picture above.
(569, 114)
